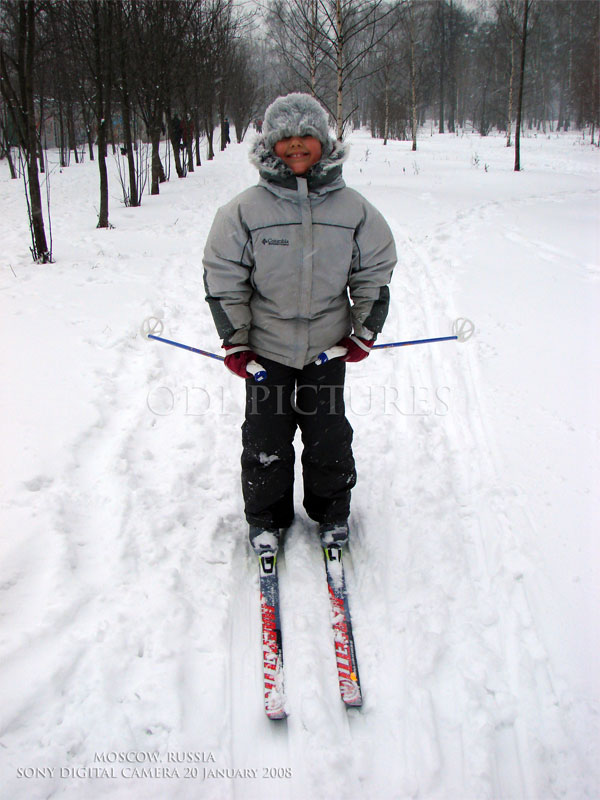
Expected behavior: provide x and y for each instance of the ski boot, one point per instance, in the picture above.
(263, 540)
(334, 533)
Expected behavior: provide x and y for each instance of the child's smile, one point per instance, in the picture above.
(299, 153)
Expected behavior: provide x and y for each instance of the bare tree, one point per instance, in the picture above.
(89, 30)
(7, 139)
(352, 28)
(527, 4)
(102, 31)
(123, 71)
(457, 25)
(19, 52)
(243, 89)
(414, 19)
(211, 37)
(325, 45)
(384, 87)
(585, 65)
(508, 15)
(297, 29)
(441, 24)
(158, 28)
(411, 28)
(511, 85)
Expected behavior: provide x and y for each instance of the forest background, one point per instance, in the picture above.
(95, 76)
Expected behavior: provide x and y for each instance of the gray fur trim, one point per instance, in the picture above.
(295, 114)
(270, 166)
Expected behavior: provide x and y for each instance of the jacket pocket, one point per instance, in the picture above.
(332, 262)
(278, 260)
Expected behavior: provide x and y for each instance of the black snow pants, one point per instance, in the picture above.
(312, 399)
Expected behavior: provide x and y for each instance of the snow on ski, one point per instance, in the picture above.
(345, 652)
(271, 637)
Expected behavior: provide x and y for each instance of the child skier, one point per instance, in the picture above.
(292, 266)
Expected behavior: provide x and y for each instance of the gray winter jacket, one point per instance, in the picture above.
(282, 257)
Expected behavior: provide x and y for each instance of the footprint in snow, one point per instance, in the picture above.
(38, 483)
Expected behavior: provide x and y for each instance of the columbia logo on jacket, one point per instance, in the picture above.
(276, 241)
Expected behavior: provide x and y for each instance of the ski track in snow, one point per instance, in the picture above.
(141, 624)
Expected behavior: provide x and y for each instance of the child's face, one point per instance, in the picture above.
(299, 153)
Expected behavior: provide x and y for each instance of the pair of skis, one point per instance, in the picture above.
(345, 652)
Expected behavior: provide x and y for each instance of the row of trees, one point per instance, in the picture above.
(392, 65)
(117, 71)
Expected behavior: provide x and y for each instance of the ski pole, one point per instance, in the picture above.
(152, 327)
(462, 329)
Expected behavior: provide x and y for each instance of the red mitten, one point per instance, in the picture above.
(237, 358)
(357, 348)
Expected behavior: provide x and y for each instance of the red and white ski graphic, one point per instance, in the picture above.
(271, 637)
(345, 652)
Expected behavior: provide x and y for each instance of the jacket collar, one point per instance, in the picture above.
(324, 174)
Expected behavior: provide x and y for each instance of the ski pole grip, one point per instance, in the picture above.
(256, 370)
(337, 351)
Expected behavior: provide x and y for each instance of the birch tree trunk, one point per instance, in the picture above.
(510, 92)
(209, 128)
(386, 122)
(312, 65)
(339, 52)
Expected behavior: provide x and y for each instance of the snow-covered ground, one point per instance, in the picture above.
(130, 633)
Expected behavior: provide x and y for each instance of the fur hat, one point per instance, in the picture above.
(296, 114)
